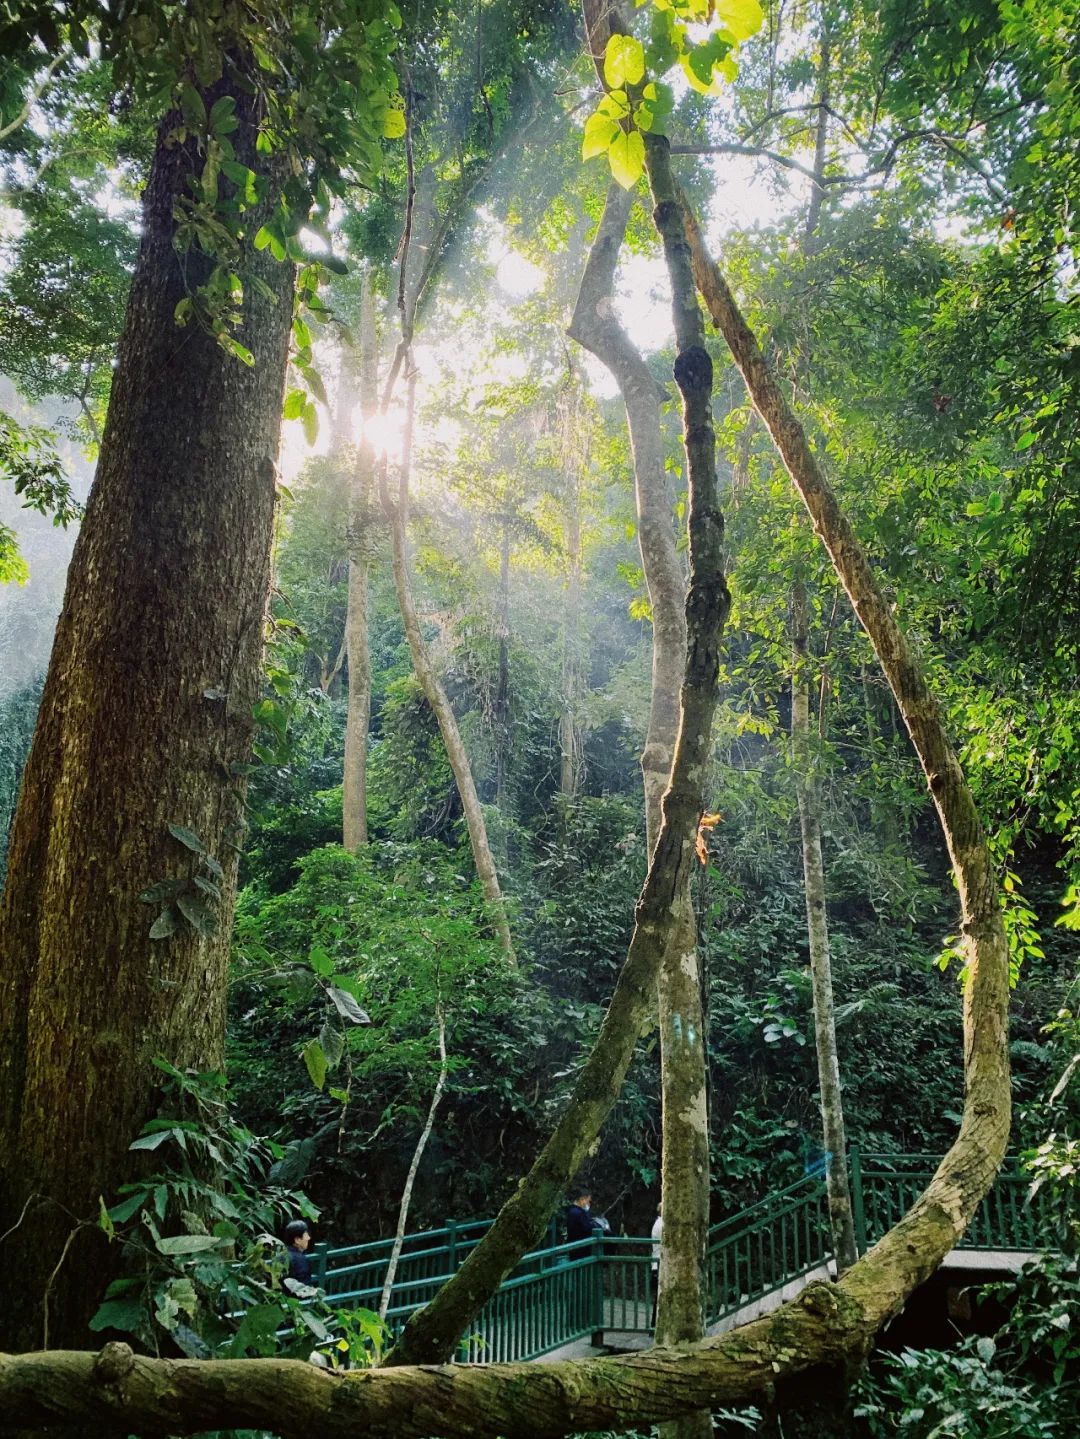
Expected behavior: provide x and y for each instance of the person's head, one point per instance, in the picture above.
(297, 1234)
(584, 1199)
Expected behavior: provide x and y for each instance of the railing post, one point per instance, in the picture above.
(451, 1246)
(320, 1253)
(597, 1290)
(857, 1207)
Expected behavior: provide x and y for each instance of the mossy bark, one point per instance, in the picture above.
(145, 722)
(680, 1317)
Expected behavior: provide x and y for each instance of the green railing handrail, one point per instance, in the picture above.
(563, 1291)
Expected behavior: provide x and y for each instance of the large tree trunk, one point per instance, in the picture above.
(398, 516)
(809, 797)
(145, 723)
(358, 715)
(912, 1250)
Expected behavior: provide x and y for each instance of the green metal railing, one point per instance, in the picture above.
(565, 1292)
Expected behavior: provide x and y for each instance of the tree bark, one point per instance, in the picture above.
(680, 1315)
(358, 714)
(418, 1154)
(398, 517)
(817, 927)
(596, 328)
(915, 1247)
(145, 724)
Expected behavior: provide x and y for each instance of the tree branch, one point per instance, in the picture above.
(34, 96)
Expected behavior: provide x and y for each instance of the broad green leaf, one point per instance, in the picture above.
(624, 61)
(315, 1059)
(221, 112)
(294, 404)
(347, 1006)
(310, 421)
(165, 924)
(320, 961)
(626, 156)
(179, 1244)
(197, 914)
(188, 838)
(193, 106)
(333, 1043)
(394, 124)
(742, 17)
(127, 1315)
(599, 132)
(150, 1141)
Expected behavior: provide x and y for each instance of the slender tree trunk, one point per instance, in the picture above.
(569, 740)
(595, 327)
(808, 794)
(145, 723)
(418, 1154)
(398, 516)
(685, 1138)
(680, 1315)
(917, 1245)
(502, 684)
(358, 715)
(809, 797)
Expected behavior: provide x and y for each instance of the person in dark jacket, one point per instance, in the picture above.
(581, 1223)
(297, 1243)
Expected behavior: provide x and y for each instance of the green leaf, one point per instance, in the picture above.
(179, 1244)
(315, 1059)
(149, 1141)
(310, 420)
(188, 838)
(294, 404)
(320, 961)
(624, 62)
(333, 1044)
(394, 124)
(598, 135)
(184, 309)
(122, 1212)
(347, 1007)
(197, 914)
(263, 238)
(127, 1315)
(626, 157)
(165, 924)
(164, 889)
(301, 333)
(193, 106)
(222, 111)
(742, 17)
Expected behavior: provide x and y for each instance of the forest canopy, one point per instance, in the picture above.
(539, 612)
